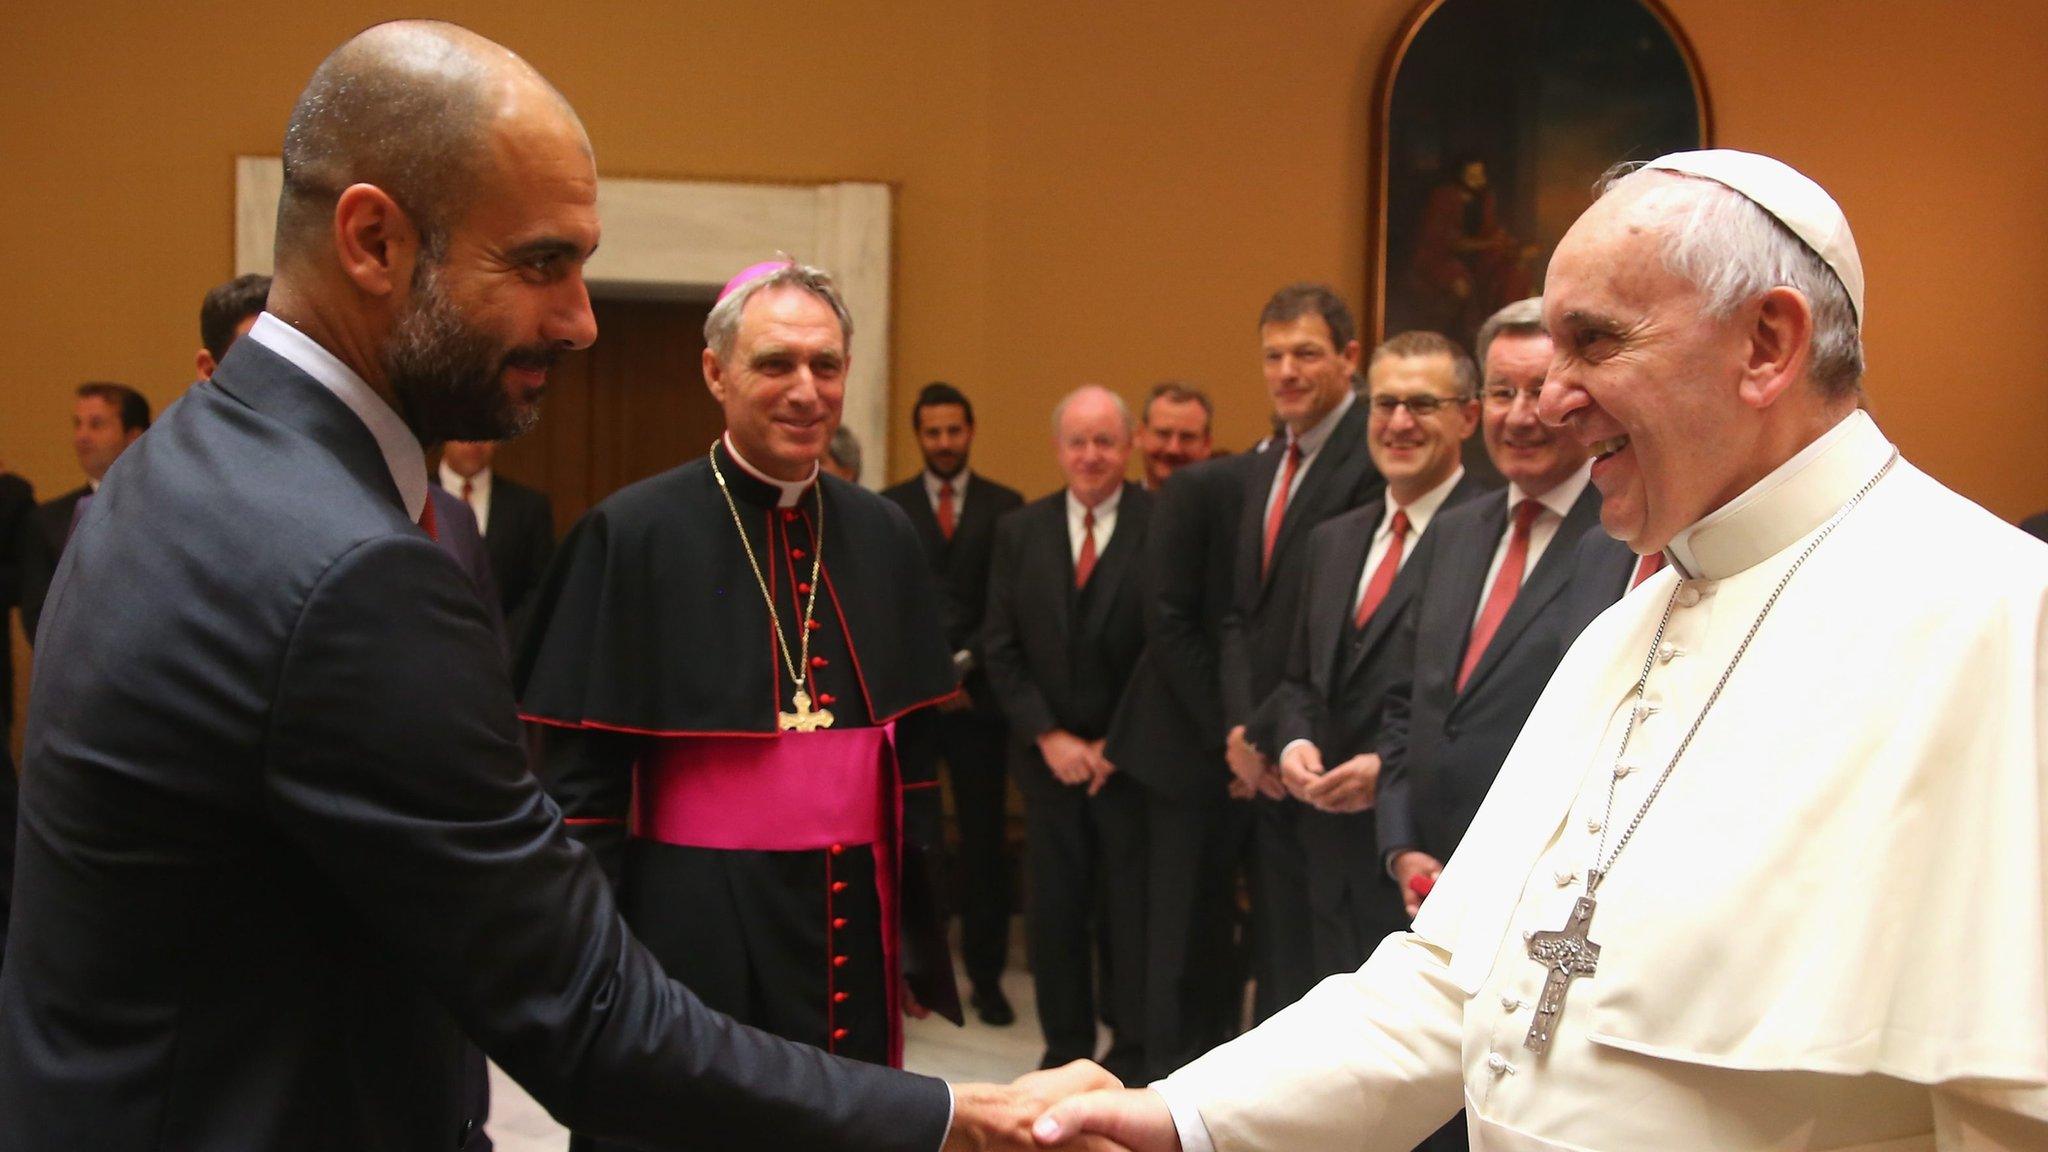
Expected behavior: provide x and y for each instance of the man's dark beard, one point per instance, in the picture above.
(445, 371)
(957, 460)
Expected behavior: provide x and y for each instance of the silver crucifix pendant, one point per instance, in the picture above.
(1568, 955)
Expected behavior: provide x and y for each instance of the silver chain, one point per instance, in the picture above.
(1596, 875)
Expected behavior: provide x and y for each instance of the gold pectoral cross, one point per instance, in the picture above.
(1568, 955)
(803, 719)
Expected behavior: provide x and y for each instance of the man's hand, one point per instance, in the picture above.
(1250, 766)
(1301, 765)
(1407, 866)
(1349, 787)
(1135, 1118)
(1101, 770)
(911, 1007)
(1071, 759)
(998, 1118)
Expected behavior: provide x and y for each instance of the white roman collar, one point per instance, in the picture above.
(1785, 506)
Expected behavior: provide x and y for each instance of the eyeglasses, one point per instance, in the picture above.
(1503, 397)
(1419, 407)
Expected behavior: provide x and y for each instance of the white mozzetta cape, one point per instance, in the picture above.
(1831, 930)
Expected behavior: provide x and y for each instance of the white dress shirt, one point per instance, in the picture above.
(1557, 503)
(1105, 522)
(1420, 512)
(479, 493)
(1311, 443)
(402, 452)
(959, 483)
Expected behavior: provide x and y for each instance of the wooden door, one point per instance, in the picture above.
(629, 406)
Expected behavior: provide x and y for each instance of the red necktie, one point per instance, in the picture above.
(428, 521)
(468, 489)
(946, 509)
(1278, 512)
(1505, 585)
(1383, 576)
(1084, 567)
(1646, 567)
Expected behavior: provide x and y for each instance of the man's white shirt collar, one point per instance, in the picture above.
(1312, 441)
(791, 490)
(1077, 511)
(1795, 499)
(932, 481)
(1561, 496)
(1421, 509)
(403, 455)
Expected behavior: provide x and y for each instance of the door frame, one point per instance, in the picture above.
(686, 238)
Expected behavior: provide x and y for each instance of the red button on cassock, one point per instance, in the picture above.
(819, 661)
(839, 961)
(839, 997)
(836, 849)
(789, 513)
(803, 588)
(796, 553)
(838, 922)
(839, 1033)
(815, 625)
(827, 699)
(839, 886)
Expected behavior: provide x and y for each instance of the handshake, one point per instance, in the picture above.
(1079, 1106)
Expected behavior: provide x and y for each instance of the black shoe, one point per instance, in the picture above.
(991, 1007)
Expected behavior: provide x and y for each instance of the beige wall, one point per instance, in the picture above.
(1086, 191)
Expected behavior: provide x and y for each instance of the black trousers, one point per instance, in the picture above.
(1353, 902)
(1085, 868)
(758, 936)
(1194, 968)
(972, 746)
(1283, 953)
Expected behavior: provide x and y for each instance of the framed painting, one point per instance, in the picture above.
(1495, 118)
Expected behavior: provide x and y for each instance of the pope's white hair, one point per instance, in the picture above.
(1733, 252)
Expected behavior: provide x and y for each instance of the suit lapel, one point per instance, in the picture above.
(1319, 494)
(1330, 612)
(1544, 584)
(1116, 558)
(927, 524)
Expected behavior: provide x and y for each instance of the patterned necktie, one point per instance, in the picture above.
(1646, 567)
(1505, 586)
(946, 509)
(1084, 567)
(429, 521)
(1382, 576)
(1278, 513)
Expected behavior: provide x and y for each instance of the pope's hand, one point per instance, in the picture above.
(1132, 1118)
(1349, 787)
(998, 1117)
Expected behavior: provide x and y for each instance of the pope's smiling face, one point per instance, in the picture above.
(1639, 375)
(783, 387)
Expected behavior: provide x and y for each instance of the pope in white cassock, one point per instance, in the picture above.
(1766, 867)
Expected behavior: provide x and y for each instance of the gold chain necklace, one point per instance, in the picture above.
(803, 719)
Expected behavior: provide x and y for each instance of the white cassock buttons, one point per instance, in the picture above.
(1499, 1064)
(1509, 1004)
(1592, 825)
(1566, 879)
(1667, 651)
(1688, 595)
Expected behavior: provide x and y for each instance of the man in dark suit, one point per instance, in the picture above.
(1494, 615)
(1326, 715)
(518, 522)
(105, 419)
(17, 501)
(226, 314)
(1064, 629)
(954, 511)
(1168, 739)
(261, 911)
(1309, 345)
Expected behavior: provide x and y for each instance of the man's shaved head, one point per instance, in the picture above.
(406, 106)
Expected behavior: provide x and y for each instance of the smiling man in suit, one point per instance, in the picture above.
(1317, 469)
(106, 419)
(1326, 716)
(1065, 626)
(954, 511)
(260, 912)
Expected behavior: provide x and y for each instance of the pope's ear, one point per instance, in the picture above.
(1777, 346)
(714, 376)
(374, 240)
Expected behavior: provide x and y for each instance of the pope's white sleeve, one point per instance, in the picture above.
(1368, 1061)
(1987, 1118)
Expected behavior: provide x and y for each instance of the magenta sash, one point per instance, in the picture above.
(795, 792)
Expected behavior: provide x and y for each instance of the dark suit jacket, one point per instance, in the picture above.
(1057, 657)
(961, 565)
(1442, 747)
(1260, 624)
(42, 546)
(2036, 526)
(520, 538)
(17, 504)
(1168, 733)
(281, 849)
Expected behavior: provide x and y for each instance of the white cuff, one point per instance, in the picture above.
(1187, 1120)
(1292, 743)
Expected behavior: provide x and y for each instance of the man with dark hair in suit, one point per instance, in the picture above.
(954, 511)
(1064, 629)
(105, 420)
(225, 316)
(1173, 430)
(1320, 468)
(518, 522)
(1326, 716)
(260, 909)
(1168, 739)
(1495, 611)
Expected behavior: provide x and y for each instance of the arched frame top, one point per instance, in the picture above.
(687, 238)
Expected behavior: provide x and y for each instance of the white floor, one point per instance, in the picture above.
(933, 1046)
